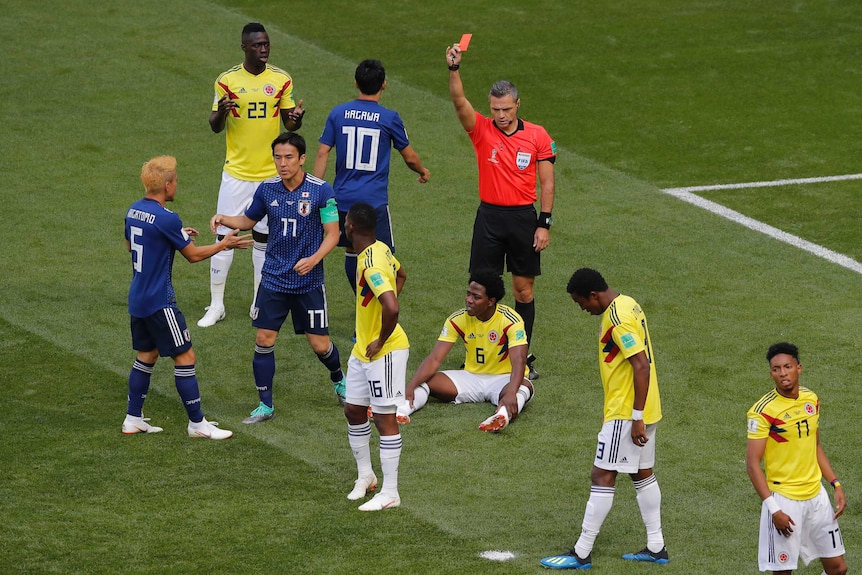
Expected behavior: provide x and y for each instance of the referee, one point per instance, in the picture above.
(510, 154)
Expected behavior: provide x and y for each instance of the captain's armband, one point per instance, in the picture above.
(329, 212)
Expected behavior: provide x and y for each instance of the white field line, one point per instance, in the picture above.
(771, 184)
(686, 195)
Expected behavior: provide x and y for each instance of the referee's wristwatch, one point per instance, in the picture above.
(545, 220)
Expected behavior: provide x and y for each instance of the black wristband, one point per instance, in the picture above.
(454, 67)
(545, 220)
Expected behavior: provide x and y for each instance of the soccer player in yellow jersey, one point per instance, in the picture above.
(495, 365)
(796, 518)
(252, 101)
(632, 408)
(377, 369)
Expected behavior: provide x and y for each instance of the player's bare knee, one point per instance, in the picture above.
(835, 566)
(355, 414)
(320, 345)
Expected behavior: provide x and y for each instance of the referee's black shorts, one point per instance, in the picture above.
(505, 233)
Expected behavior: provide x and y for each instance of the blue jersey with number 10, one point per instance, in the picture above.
(154, 233)
(363, 133)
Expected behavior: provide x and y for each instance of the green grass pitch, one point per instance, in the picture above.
(639, 96)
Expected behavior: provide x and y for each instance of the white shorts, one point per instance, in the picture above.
(379, 383)
(234, 196)
(617, 452)
(477, 387)
(815, 535)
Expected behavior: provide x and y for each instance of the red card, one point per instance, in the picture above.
(465, 41)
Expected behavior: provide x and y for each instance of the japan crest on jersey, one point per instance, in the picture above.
(303, 207)
(523, 160)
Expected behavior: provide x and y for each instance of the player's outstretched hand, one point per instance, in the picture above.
(297, 112)
(192, 232)
(239, 242)
(425, 176)
(215, 222)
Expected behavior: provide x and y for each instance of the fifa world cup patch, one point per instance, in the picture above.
(752, 426)
(628, 341)
(376, 279)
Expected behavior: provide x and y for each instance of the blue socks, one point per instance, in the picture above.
(186, 381)
(263, 366)
(139, 384)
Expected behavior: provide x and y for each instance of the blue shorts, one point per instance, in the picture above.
(383, 230)
(309, 311)
(166, 330)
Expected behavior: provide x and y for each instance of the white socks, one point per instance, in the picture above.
(219, 268)
(258, 255)
(598, 506)
(649, 501)
(420, 398)
(390, 457)
(359, 437)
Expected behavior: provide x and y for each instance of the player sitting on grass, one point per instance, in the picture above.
(496, 357)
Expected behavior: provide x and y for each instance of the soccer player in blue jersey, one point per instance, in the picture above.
(153, 234)
(303, 221)
(363, 133)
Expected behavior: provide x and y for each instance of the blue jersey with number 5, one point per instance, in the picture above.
(363, 133)
(154, 233)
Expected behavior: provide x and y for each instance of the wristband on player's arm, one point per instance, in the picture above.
(772, 505)
(545, 220)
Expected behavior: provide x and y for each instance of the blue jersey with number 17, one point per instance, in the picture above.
(295, 231)
(363, 133)
(154, 233)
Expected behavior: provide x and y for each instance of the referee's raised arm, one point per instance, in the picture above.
(463, 107)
